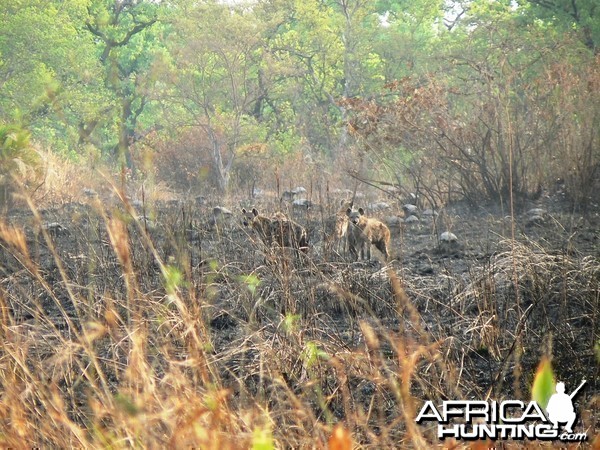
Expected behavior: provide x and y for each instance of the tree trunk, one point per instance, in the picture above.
(222, 172)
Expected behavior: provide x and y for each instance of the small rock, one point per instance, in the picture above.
(378, 206)
(299, 190)
(430, 213)
(288, 196)
(220, 216)
(88, 192)
(393, 221)
(55, 229)
(448, 242)
(221, 211)
(410, 210)
(302, 203)
(535, 217)
(535, 220)
(342, 192)
(537, 212)
(449, 237)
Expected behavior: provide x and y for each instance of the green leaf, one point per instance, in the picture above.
(126, 405)
(312, 353)
(251, 281)
(173, 279)
(290, 322)
(543, 383)
(262, 439)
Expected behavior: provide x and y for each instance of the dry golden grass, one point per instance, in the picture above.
(116, 334)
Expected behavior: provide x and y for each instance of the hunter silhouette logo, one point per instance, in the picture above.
(560, 407)
(509, 419)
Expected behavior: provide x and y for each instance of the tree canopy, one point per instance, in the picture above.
(490, 79)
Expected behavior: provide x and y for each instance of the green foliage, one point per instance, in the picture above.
(312, 354)
(262, 439)
(407, 44)
(48, 76)
(579, 16)
(173, 279)
(126, 405)
(100, 74)
(128, 38)
(17, 159)
(251, 281)
(487, 119)
(17, 156)
(543, 383)
(324, 51)
(290, 323)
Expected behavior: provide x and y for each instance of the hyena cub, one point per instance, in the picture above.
(364, 231)
(277, 229)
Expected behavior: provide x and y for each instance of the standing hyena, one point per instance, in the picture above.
(336, 228)
(363, 232)
(260, 224)
(277, 229)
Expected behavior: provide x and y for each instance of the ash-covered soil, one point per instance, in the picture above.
(491, 307)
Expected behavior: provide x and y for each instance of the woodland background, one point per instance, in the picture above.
(467, 98)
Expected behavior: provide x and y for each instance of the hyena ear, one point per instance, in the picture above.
(361, 211)
(255, 211)
(244, 211)
(348, 211)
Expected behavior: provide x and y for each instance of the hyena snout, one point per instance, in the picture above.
(354, 216)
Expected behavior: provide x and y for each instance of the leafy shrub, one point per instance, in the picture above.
(18, 159)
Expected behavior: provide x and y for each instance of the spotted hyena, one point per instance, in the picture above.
(287, 233)
(278, 229)
(364, 231)
(336, 228)
(260, 224)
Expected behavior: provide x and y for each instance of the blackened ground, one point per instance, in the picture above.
(487, 307)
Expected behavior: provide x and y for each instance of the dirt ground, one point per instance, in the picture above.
(490, 305)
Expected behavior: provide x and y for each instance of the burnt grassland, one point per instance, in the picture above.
(152, 326)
